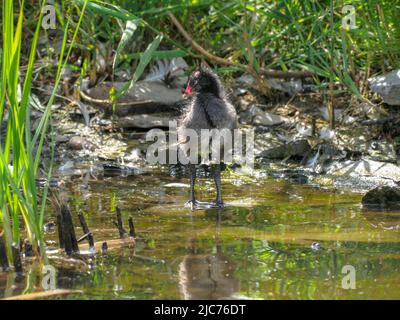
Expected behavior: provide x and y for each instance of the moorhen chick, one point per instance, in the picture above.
(208, 108)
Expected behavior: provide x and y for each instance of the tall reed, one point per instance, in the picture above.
(22, 205)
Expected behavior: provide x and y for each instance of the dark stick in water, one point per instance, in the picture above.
(65, 241)
(104, 248)
(121, 230)
(60, 231)
(17, 259)
(86, 229)
(3, 254)
(132, 232)
(70, 242)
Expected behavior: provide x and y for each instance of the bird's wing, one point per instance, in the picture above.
(220, 113)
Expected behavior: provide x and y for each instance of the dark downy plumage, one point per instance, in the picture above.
(208, 108)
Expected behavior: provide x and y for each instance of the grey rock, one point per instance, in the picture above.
(254, 110)
(250, 111)
(323, 154)
(69, 165)
(268, 119)
(388, 86)
(361, 175)
(142, 91)
(325, 113)
(265, 141)
(382, 151)
(76, 143)
(298, 149)
(245, 117)
(292, 86)
(367, 168)
(358, 140)
(61, 138)
(80, 143)
(144, 121)
(382, 198)
(246, 79)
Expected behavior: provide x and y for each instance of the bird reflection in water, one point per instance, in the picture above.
(207, 276)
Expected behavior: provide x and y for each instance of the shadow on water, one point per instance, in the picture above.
(276, 240)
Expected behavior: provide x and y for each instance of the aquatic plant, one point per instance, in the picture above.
(22, 203)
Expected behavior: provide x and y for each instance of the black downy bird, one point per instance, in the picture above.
(208, 108)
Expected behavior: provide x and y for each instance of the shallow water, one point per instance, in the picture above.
(276, 240)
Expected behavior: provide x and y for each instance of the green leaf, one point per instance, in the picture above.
(131, 26)
(144, 61)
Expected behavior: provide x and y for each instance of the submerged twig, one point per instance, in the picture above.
(121, 230)
(104, 248)
(67, 230)
(132, 232)
(109, 245)
(43, 294)
(60, 232)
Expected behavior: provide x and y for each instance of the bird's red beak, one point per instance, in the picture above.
(188, 89)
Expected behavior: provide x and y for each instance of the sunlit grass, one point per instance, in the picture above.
(20, 151)
(284, 35)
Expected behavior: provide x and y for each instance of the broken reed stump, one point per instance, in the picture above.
(17, 259)
(121, 230)
(104, 248)
(132, 232)
(3, 254)
(66, 230)
(87, 233)
(60, 231)
(28, 248)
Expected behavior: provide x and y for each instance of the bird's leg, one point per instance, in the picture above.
(192, 202)
(216, 170)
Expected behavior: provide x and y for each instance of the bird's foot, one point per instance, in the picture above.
(191, 204)
(219, 204)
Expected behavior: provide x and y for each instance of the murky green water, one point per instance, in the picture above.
(276, 240)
